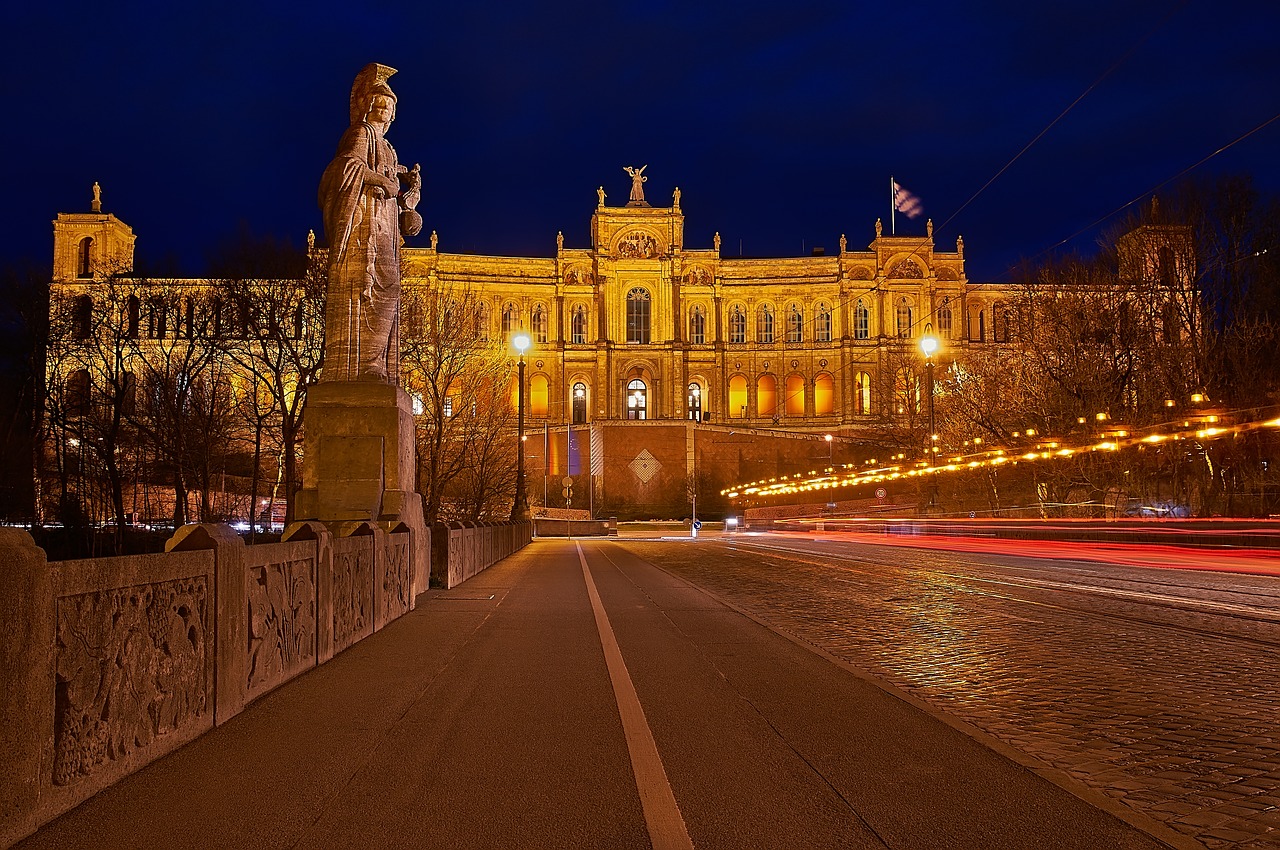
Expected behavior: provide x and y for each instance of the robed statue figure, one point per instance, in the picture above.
(368, 199)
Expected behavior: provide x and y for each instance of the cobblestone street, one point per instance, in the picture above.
(1161, 689)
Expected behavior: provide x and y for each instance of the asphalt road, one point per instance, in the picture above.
(594, 695)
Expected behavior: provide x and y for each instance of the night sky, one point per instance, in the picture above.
(781, 123)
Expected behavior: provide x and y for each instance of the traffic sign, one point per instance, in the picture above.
(568, 491)
(697, 524)
(880, 493)
(567, 481)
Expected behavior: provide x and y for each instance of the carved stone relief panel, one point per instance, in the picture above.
(906, 269)
(637, 245)
(393, 585)
(131, 668)
(352, 592)
(698, 276)
(282, 622)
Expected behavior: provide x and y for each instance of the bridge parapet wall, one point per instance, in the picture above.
(107, 664)
(460, 550)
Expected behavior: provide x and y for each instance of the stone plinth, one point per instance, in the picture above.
(359, 463)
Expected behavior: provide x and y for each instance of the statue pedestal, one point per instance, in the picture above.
(359, 462)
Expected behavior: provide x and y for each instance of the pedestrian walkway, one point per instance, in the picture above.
(576, 696)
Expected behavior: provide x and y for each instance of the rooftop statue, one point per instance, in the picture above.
(368, 200)
(637, 184)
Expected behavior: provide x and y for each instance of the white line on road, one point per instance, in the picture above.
(661, 812)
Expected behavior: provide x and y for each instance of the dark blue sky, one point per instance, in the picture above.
(780, 122)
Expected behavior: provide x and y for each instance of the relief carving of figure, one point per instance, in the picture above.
(637, 183)
(368, 200)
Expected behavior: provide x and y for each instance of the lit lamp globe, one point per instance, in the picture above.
(928, 344)
(522, 342)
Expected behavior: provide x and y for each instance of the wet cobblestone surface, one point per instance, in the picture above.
(1161, 689)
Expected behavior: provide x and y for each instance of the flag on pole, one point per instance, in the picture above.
(906, 203)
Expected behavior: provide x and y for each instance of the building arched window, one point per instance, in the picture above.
(795, 324)
(738, 397)
(638, 317)
(510, 320)
(737, 324)
(824, 394)
(482, 320)
(944, 320)
(697, 325)
(540, 323)
(637, 399)
(539, 394)
(693, 401)
(132, 317)
(766, 396)
(903, 315)
(862, 394)
(84, 258)
(579, 403)
(77, 394)
(764, 325)
(82, 316)
(861, 321)
(578, 325)
(794, 402)
(822, 323)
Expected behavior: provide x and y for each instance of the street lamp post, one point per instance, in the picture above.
(520, 507)
(928, 345)
(830, 450)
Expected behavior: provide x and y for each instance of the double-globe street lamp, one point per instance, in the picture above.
(520, 507)
(928, 345)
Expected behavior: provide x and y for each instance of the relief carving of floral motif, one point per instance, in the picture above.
(637, 245)
(352, 596)
(132, 666)
(906, 269)
(860, 273)
(282, 621)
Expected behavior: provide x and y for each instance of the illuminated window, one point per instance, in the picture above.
(794, 404)
(823, 395)
(822, 323)
(540, 323)
(737, 324)
(637, 399)
(764, 325)
(638, 317)
(903, 314)
(862, 394)
(510, 320)
(861, 321)
(448, 406)
(579, 403)
(766, 396)
(693, 402)
(944, 320)
(697, 326)
(738, 397)
(538, 395)
(578, 325)
(795, 324)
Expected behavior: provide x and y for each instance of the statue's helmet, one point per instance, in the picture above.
(371, 82)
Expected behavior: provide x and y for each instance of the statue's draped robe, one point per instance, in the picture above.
(363, 231)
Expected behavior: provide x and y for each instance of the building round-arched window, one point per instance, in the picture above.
(579, 403)
(637, 399)
(638, 316)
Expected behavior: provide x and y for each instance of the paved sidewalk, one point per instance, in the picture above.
(489, 717)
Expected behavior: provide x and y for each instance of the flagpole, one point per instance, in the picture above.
(893, 209)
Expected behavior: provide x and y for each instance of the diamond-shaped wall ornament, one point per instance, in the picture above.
(645, 466)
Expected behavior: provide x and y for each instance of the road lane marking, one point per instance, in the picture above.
(661, 812)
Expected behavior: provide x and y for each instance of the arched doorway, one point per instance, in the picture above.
(579, 402)
(694, 401)
(637, 399)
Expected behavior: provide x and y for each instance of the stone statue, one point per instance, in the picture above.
(716, 241)
(928, 226)
(366, 209)
(97, 197)
(637, 183)
(559, 240)
(600, 195)
(435, 240)
(879, 228)
(675, 198)
(844, 244)
(311, 242)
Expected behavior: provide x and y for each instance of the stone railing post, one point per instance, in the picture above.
(231, 611)
(313, 530)
(26, 680)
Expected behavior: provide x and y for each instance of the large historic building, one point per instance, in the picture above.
(640, 325)
(637, 327)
